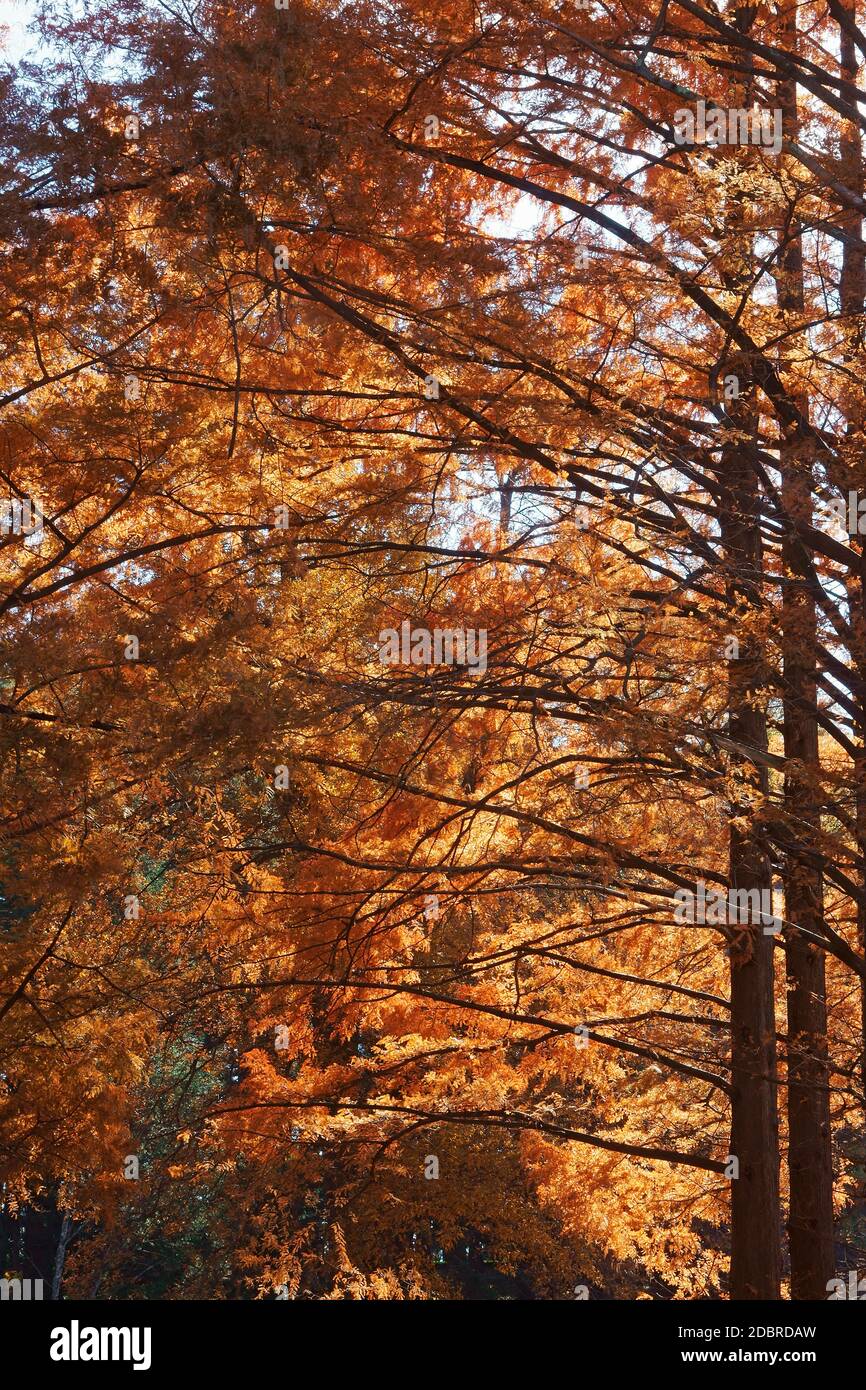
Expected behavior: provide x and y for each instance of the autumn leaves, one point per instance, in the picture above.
(357, 398)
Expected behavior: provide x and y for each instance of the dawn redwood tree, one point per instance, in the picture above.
(380, 315)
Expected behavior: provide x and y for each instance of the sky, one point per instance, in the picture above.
(13, 17)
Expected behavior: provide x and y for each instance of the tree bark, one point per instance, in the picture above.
(810, 1158)
(60, 1257)
(755, 1214)
(852, 293)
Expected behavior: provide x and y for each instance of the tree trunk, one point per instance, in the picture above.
(755, 1213)
(756, 1255)
(755, 1216)
(810, 1158)
(60, 1257)
(852, 293)
(810, 1161)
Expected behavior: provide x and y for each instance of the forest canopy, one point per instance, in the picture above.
(433, 650)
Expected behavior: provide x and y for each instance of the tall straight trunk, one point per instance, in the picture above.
(755, 1213)
(63, 1240)
(852, 293)
(756, 1256)
(810, 1157)
(810, 1160)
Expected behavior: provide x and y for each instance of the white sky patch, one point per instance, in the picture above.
(520, 218)
(15, 42)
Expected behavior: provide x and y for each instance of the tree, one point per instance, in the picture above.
(433, 595)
